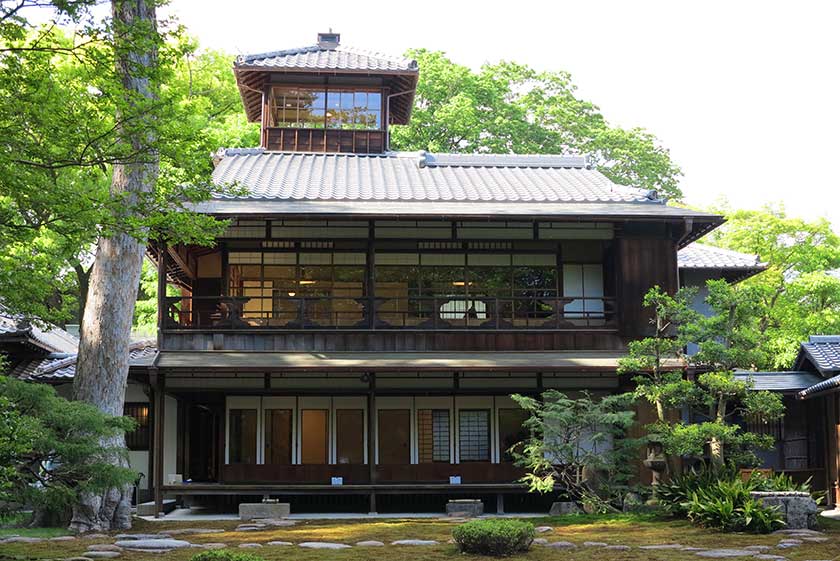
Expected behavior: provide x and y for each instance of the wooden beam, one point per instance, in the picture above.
(181, 261)
(161, 293)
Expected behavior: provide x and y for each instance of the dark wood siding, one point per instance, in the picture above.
(643, 263)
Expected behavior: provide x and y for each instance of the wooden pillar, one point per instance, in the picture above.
(156, 380)
(161, 292)
(371, 437)
(500, 503)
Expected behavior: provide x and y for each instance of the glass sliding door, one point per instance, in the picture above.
(314, 430)
(511, 431)
(349, 436)
(277, 436)
(242, 436)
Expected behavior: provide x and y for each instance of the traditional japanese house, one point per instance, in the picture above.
(359, 327)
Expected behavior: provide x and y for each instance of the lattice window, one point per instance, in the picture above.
(474, 435)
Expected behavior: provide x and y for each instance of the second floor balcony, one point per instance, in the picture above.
(293, 311)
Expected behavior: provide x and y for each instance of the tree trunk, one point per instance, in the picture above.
(715, 444)
(102, 365)
(83, 278)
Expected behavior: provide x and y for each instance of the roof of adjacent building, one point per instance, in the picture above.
(779, 381)
(49, 338)
(61, 367)
(734, 265)
(420, 183)
(821, 353)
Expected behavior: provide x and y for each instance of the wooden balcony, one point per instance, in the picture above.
(324, 140)
(445, 313)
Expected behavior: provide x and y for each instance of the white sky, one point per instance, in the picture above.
(743, 92)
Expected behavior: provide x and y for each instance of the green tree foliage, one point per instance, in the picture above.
(799, 294)
(512, 108)
(59, 100)
(576, 444)
(50, 449)
(727, 340)
(657, 362)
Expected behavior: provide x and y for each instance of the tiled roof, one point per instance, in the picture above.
(779, 381)
(49, 338)
(701, 256)
(62, 367)
(419, 177)
(817, 389)
(338, 58)
(823, 351)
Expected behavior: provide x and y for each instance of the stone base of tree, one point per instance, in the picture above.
(465, 508)
(252, 511)
(798, 508)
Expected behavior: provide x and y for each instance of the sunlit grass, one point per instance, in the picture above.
(612, 529)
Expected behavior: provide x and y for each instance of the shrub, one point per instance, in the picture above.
(494, 537)
(728, 506)
(720, 498)
(224, 555)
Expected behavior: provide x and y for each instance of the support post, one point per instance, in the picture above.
(156, 380)
(161, 292)
(500, 503)
(371, 437)
(833, 451)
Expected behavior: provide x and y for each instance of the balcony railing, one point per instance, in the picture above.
(386, 313)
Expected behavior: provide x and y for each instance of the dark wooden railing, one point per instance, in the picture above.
(325, 140)
(384, 313)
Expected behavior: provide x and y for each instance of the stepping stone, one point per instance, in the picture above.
(273, 522)
(324, 545)
(618, 547)
(95, 536)
(160, 536)
(279, 543)
(414, 542)
(144, 545)
(251, 527)
(769, 557)
(22, 539)
(595, 544)
(102, 554)
(725, 553)
(249, 545)
(561, 545)
(539, 541)
(64, 539)
(786, 544)
(689, 548)
(78, 558)
(218, 545)
(183, 531)
(758, 547)
(803, 531)
(370, 543)
(816, 539)
(662, 546)
(543, 529)
(103, 547)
